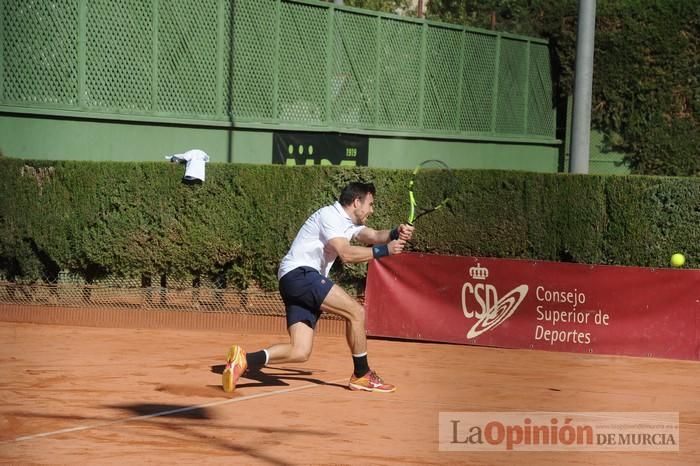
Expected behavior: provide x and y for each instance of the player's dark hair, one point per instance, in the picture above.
(355, 190)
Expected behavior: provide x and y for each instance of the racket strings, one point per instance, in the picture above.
(432, 185)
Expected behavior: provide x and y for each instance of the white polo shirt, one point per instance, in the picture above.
(309, 246)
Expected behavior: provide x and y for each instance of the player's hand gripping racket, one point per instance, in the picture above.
(431, 188)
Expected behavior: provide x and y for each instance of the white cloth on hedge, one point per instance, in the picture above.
(195, 160)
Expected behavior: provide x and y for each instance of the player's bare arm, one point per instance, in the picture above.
(352, 254)
(371, 236)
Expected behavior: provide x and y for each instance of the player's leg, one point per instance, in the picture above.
(339, 302)
(301, 341)
(302, 290)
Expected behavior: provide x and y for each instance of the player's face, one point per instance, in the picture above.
(363, 209)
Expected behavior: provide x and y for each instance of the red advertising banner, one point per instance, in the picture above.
(535, 304)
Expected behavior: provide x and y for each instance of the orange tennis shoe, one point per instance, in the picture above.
(370, 382)
(236, 365)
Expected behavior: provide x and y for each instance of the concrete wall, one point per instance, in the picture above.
(62, 138)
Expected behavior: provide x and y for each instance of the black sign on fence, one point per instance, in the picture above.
(319, 149)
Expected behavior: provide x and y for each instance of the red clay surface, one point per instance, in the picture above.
(83, 395)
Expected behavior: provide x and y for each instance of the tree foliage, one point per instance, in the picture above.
(646, 88)
(387, 6)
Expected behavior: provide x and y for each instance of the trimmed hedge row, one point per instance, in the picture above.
(99, 219)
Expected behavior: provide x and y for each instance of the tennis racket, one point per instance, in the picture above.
(432, 186)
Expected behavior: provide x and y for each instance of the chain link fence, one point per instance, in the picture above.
(273, 62)
(194, 295)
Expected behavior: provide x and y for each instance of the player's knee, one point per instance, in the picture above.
(301, 354)
(357, 314)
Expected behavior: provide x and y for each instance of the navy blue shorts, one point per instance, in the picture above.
(303, 291)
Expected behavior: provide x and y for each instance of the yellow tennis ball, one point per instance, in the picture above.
(677, 260)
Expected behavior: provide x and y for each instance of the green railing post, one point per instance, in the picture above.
(3, 13)
(377, 59)
(276, 62)
(460, 82)
(527, 88)
(423, 70)
(154, 58)
(221, 51)
(2, 52)
(330, 40)
(496, 74)
(82, 52)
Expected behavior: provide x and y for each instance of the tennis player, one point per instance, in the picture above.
(307, 291)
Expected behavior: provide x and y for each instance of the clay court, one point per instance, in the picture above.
(110, 392)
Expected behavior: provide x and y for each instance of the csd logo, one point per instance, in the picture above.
(481, 301)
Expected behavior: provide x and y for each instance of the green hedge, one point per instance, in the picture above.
(99, 219)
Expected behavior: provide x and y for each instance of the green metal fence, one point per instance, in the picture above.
(272, 64)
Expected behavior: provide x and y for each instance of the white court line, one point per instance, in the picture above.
(166, 413)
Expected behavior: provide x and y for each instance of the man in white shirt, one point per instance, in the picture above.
(307, 290)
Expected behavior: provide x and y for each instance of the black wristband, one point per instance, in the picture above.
(380, 250)
(394, 233)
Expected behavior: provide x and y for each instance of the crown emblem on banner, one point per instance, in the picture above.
(479, 272)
